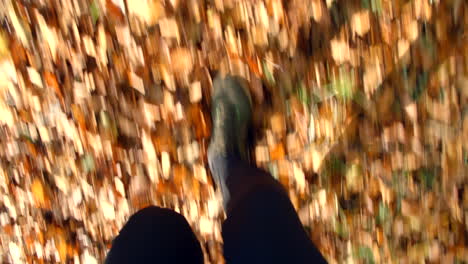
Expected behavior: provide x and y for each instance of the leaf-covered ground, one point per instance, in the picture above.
(360, 112)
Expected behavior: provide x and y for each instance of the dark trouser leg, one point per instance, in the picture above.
(156, 235)
(262, 225)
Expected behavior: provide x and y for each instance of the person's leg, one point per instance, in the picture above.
(155, 235)
(262, 225)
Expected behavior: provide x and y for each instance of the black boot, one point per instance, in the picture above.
(231, 113)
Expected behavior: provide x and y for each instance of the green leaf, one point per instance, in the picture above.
(398, 204)
(341, 228)
(399, 182)
(337, 165)
(87, 163)
(343, 86)
(384, 213)
(421, 83)
(428, 42)
(376, 6)
(268, 74)
(427, 177)
(365, 4)
(94, 10)
(302, 94)
(366, 254)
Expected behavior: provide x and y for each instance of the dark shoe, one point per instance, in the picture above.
(231, 113)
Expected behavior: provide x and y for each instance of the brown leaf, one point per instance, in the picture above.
(181, 61)
(39, 194)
